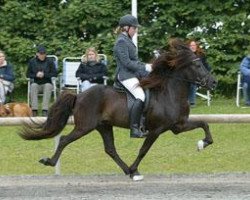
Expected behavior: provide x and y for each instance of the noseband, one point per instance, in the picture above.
(201, 81)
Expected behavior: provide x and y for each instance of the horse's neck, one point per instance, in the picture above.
(177, 90)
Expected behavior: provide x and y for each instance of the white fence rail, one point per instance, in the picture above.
(210, 118)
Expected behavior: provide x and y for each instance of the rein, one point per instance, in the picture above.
(201, 82)
(182, 79)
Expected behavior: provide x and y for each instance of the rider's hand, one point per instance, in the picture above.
(148, 67)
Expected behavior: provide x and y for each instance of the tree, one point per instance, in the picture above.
(68, 27)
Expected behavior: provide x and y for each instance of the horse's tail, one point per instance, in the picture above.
(57, 119)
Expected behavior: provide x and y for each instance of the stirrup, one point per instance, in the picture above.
(137, 134)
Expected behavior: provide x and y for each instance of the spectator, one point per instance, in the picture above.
(245, 70)
(91, 71)
(194, 46)
(40, 70)
(129, 69)
(6, 77)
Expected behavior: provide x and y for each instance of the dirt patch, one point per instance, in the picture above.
(113, 187)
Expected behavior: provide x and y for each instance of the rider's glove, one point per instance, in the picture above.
(148, 67)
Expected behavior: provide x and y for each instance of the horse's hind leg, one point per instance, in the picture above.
(63, 142)
(190, 125)
(106, 132)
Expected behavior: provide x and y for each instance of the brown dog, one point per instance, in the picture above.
(15, 110)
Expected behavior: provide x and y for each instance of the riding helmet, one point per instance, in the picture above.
(128, 20)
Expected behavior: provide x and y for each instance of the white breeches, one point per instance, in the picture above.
(132, 85)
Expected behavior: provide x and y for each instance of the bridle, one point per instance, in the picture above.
(200, 82)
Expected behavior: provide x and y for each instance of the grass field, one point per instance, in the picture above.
(170, 154)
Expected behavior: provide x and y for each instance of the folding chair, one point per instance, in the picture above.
(68, 80)
(205, 96)
(53, 80)
(104, 60)
(239, 88)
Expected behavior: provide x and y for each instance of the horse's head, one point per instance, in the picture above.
(197, 73)
(189, 66)
(180, 63)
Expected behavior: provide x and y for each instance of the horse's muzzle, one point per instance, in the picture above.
(211, 83)
(208, 82)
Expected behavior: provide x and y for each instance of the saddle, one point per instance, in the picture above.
(130, 101)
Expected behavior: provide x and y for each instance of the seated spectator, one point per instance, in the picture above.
(40, 70)
(245, 70)
(194, 46)
(91, 71)
(6, 78)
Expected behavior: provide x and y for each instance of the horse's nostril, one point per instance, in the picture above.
(215, 84)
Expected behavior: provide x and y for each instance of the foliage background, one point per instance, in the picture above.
(68, 27)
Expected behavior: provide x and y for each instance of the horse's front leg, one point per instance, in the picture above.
(149, 141)
(190, 125)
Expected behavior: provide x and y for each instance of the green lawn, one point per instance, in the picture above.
(219, 106)
(170, 154)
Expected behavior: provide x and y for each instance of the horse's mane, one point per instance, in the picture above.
(177, 55)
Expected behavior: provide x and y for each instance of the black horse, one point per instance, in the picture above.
(101, 107)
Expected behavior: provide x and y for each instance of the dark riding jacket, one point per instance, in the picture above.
(47, 66)
(128, 64)
(6, 72)
(92, 71)
(245, 69)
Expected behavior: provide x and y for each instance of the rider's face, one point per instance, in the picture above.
(132, 31)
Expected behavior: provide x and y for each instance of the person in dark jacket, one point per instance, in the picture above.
(245, 70)
(194, 46)
(91, 71)
(40, 70)
(129, 70)
(6, 77)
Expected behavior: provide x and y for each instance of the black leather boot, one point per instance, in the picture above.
(135, 117)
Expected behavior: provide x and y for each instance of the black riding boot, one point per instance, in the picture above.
(135, 117)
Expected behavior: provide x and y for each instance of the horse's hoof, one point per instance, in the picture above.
(138, 178)
(45, 161)
(200, 145)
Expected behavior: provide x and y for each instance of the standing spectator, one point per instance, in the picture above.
(245, 70)
(6, 77)
(129, 69)
(91, 71)
(194, 46)
(40, 70)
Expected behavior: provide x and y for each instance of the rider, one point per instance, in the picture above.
(130, 69)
